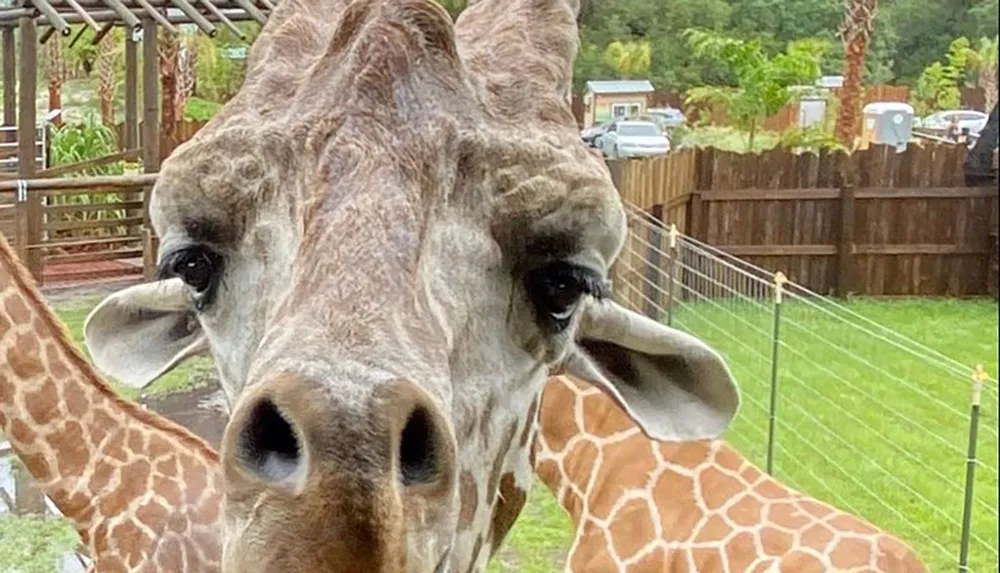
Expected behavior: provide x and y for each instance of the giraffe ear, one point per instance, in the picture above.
(140, 333)
(670, 383)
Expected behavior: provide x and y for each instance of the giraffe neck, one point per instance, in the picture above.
(77, 438)
(639, 504)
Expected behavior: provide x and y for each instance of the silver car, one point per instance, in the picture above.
(633, 138)
(937, 123)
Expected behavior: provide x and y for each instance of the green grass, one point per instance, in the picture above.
(539, 540)
(34, 544)
(862, 424)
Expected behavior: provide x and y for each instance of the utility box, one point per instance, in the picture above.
(887, 123)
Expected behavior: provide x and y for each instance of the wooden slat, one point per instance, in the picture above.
(778, 250)
(919, 249)
(109, 181)
(89, 164)
(771, 194)
(86, 242)
(60, 209)
(95, 256)
(97, 224)
(924, 193)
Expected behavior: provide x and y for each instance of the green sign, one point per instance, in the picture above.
(234, 52)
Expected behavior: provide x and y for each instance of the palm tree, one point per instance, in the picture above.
(107, 78)
(57, 72)
(982, 62)
(859, 19)
(168, 84)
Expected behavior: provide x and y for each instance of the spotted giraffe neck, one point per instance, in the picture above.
(143, 493)
(642, 505)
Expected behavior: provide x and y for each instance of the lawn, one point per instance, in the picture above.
(864, 421)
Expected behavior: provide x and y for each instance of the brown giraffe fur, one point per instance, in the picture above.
(143, 493)
(385, 240)
(641, 506)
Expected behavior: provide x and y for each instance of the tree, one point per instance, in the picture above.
(107, 64)
(57, 73)
(982, 67)
(628, 60)
(761, 82)
(859, 18)
(939, 84)
(168, 46)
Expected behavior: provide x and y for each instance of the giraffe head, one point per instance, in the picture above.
(386, 240)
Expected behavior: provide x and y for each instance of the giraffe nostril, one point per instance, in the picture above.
(267, 444)
(418, 450)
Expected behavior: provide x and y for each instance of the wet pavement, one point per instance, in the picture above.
(202, 410)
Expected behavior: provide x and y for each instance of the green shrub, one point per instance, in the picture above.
(198, 109)
(73, 143)
(90, 139)
(34, 544)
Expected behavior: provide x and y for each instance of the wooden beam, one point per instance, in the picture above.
(921, 249)
(79, 35)
(9, 78)
(925, 192)
(150, 100)
(103, 32)
(127, 16)
(196, 17)
(108, 16)
(778, 250)
(128, 155)
(252, 10)
(130, 139)
(46, 35)
(771, 194)
(31, 208)
(101, 181)
(211, 7)
(845, 244)
(84, 15)
(155, 14)
(54, 18)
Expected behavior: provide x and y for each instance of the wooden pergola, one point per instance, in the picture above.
(143, 19)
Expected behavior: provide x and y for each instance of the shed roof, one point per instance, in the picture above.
(620, 87)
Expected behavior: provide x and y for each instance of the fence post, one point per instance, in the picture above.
(671, 269)
(652, 286)
(21, 220)
(149, 244)
(970, 467)
(772, 414)
(845, 247)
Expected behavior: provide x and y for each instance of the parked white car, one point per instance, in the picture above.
(975, 121)
(632, 138)
(667, 117)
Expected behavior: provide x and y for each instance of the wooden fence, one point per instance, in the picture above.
(78, 228)
(874, 222)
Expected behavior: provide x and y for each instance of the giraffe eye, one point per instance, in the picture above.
(556, 289)
(200, 268)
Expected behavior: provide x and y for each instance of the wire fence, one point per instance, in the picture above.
(835, 403)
